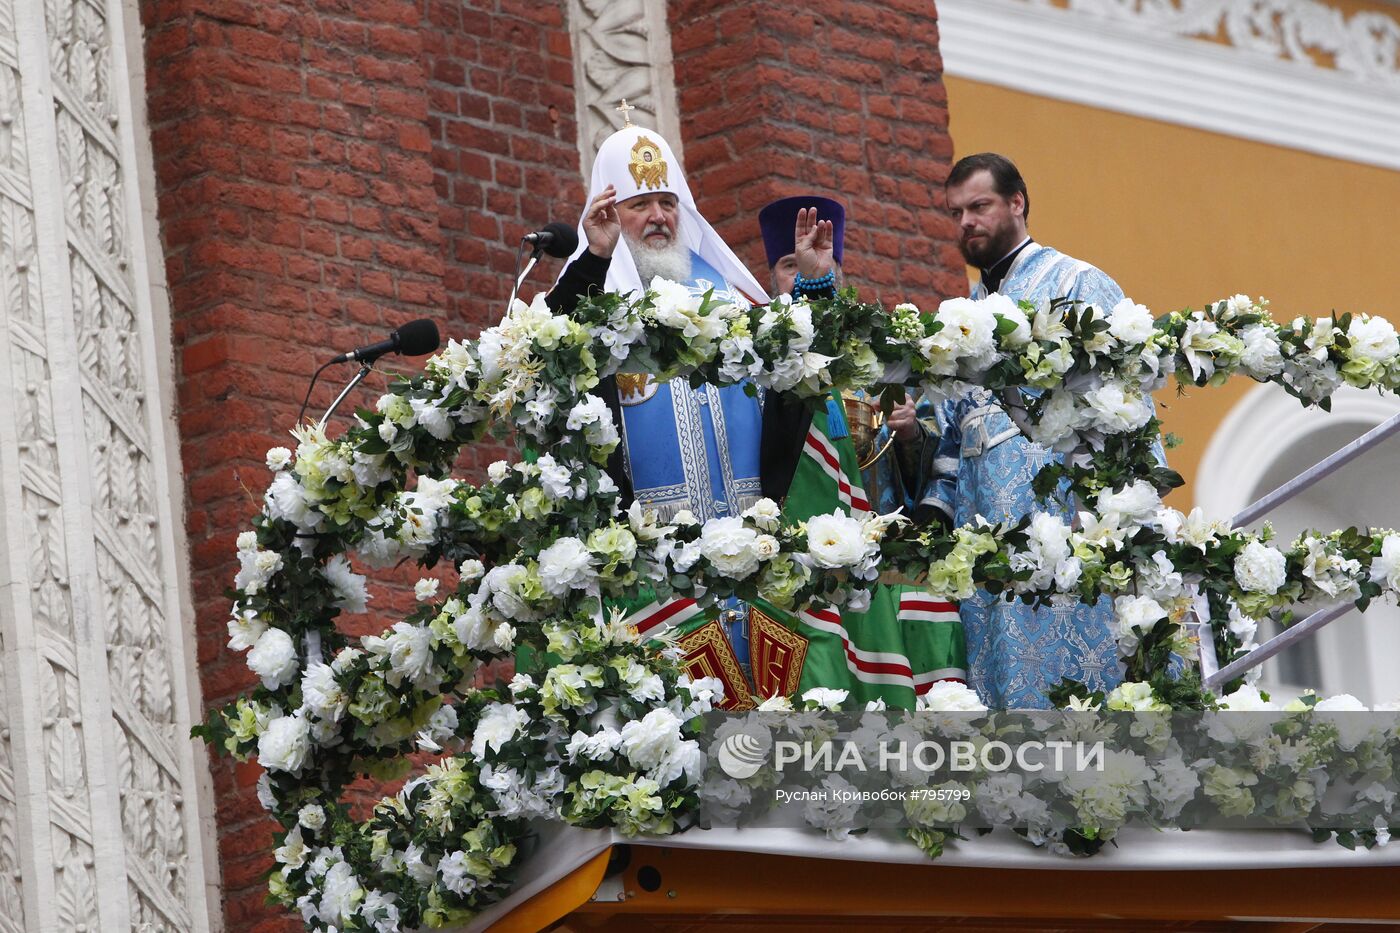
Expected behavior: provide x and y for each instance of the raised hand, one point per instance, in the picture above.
(813, 244)
(601, 224)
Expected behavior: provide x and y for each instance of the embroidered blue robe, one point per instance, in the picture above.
(984, 466)
(695, 449)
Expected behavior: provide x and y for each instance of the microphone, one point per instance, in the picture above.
(556, 239)
(413, 339)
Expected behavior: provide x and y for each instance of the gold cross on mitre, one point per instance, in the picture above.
(625, 109)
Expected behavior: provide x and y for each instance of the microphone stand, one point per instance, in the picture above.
(534, 257)
(358, 378)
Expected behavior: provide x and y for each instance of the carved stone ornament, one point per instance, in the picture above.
(99, 782)
(1364, 44)
(622, 49)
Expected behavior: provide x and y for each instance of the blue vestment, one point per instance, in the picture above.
(985, 466)
(695, 448)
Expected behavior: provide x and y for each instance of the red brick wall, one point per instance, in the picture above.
(782, 97)
(327, 170)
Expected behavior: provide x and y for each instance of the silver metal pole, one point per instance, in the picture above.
(1273, 646)
(1318, 471)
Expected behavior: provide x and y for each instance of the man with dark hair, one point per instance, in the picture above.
(1015, 653)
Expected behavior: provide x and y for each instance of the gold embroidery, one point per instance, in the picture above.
(708, 653)
(778, 653)
(648, 168)
(635, 388)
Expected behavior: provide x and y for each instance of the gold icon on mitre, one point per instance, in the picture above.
(635, 388)
(647, 166)
(864, 418)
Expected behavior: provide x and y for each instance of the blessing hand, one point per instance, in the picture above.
(601, 225)
(814, 244)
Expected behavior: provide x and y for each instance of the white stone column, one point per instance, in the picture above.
(100, 786)
(622, 49)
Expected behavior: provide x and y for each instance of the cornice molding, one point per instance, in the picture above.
(1119, 60)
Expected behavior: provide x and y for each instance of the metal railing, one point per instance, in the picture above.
(1215, 677)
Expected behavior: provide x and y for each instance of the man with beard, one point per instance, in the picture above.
(1016, 653)
(707, 450)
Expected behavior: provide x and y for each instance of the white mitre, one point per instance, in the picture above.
(638, 161)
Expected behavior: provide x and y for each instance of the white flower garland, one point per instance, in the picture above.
(540, 547)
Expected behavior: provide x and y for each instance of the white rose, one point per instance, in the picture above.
(1262, 356)
(647, 741)
(1373, 339)
(274, 658)
(765, 514)
(684, 518)
(498, 724)
(340, 893)
(825, 697)
(278, 458)
(1247, 699)
(835, 541)
(1117, 409)
(564, 565)
(968, 336)
(286, 499)
(1142, 612)
(1004, 307)
(425, 589)
(600, 746)
(767, 547)
(1132, 505)
(1130, 323)
(321, 694)
(471, 570)
(312, 817)
(498, 471)
(285, 745)
(349, 587)
(949, 696)
(730, 547)
(1260, 568)
(1385, 567)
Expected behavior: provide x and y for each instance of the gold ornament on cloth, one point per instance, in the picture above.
(863, 418)
(777, 653)
(647, 166)
(632, 388)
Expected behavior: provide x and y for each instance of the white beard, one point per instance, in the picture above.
(671, 261)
